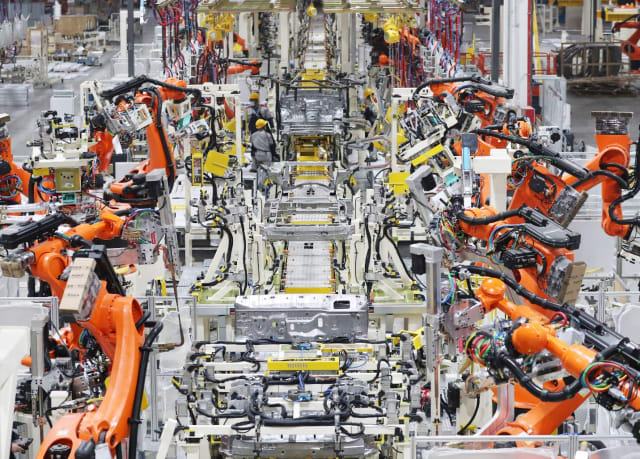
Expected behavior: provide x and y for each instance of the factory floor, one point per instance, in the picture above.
(23, 125)
(23, 119)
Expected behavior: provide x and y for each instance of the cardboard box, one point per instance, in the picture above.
(71, 25)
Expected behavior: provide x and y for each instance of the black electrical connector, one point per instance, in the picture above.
(519, 258)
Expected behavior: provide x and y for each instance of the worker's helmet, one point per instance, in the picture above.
(312, 11)
(261, 123)
(254, 96)
(368, 92)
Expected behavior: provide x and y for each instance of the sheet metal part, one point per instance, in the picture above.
(301, 318)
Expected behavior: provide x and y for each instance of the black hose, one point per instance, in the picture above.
(367, 258)
(634, 190)
(221, 415)
(537, 149)
(395, 246)
(143, 319)
(624, 171)
(592, 175)
(134, 420)
(244, 257)
(218, 381)
(487, 220)
(377, 375)
(544, 395)
(515, 286)
(473, 416)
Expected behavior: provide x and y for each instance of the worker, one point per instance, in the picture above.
(370, 106)
(263, 150)
(255, 112)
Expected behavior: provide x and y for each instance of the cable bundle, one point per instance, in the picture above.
(445, 22)
(169, 19)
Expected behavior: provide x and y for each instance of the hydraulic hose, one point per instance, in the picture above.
(525, 381)
(634, 190)
(487, 220)
(537, 149)
(601, 172)
(135, 420)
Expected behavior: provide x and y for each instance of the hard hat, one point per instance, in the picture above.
(312, 11)
(254, 96)
(383, 60)
(371, 17)
(261, 123)
(368, 92)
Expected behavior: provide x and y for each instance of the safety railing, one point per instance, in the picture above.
(544, 63)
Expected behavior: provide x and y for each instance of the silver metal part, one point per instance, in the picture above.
(312, 112)
(433, 258)
(16, 263)
(566, 205)
(461, 317)
(307, 217)
(612, 123)
(322, 446)
(301, 318)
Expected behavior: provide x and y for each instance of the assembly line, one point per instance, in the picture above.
(316, 234)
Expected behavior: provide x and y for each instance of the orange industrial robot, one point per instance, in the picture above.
(475, 94)
(113, 319)
(537, 249)
(14, 180)
(561, 196)
(606, 364)
(132, 188)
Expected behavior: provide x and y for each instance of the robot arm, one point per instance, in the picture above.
(117, 324)
(606, 363)
(103, 148)
(148, 103)
(609, 167)
(561, 197)
(630, 46)
(13, 178)
(536, 248)
(48, 259)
